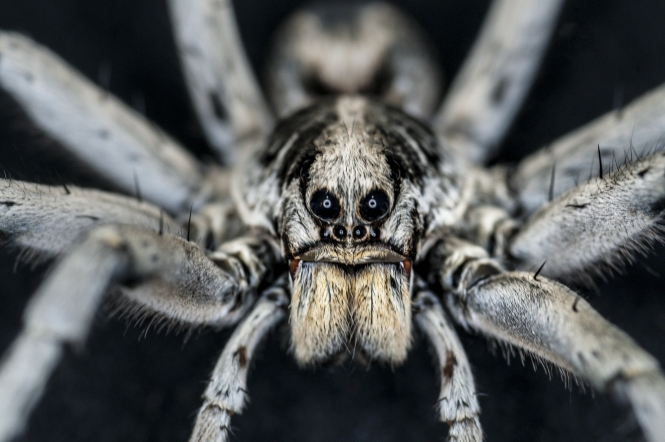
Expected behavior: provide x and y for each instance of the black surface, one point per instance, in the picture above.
(123, 388)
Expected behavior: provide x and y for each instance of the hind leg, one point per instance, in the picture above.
(222, 86)
(101, 131)
(495, 78)
(610, 141)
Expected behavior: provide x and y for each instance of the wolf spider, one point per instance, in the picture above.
(546, 269)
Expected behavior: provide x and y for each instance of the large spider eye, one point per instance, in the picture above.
(324, 205)
(375, 205)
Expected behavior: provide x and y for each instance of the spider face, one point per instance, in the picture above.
(351, 215)
(352, 187)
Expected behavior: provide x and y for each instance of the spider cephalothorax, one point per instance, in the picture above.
(359, 215)
(354, 187)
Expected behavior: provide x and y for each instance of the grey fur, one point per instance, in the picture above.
(225, 94)
(169, 276)
(114, 140)
(597, 225)
(350, 195)
(548, 320)
(552, 323)
(47, 220)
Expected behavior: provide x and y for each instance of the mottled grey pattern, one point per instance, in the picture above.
(350, 212)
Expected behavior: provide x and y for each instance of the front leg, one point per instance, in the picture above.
(226, 394)
(551, 322)
(157, 272)
(458, 404)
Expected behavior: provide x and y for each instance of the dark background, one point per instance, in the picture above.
(125, 387)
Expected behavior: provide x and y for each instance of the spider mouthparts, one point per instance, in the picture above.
(352, 256)
(406, 265)
(293, 266)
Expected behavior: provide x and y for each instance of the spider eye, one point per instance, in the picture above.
(375, 205)
(324, 205)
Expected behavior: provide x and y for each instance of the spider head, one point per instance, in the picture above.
(357, 179)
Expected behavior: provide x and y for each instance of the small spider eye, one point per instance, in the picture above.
(324, 205)
(375, 205)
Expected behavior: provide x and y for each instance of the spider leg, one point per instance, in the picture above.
(621, 136)
(489, 227)
(553, 324)
(222, 86)
(97, 128)
(494, 80)
(596, 225)
(226, 393)
(163, 273)
(47, 220)
(458, 404)
(214, 224)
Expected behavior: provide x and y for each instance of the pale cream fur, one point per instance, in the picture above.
(382, 313)
(336, 307)
(319, 306)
